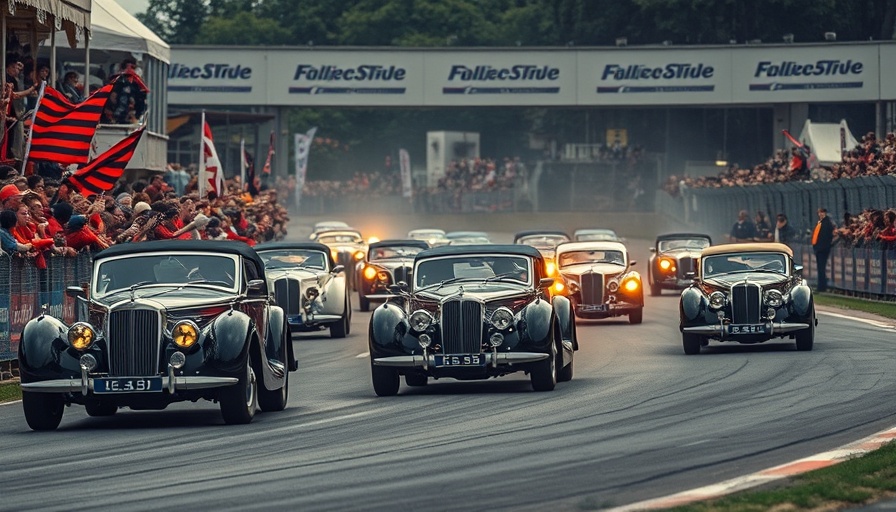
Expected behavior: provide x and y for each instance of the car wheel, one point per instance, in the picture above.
(636, 316)
(805, 339)
(340, 329)
(691, 343)
(564, 373)
(544, 373)
(655, 290)
(272, 400)
(238, 402)
(416, 379)
(43, 411)
(385, 380)
(363, 302)
(97, 408)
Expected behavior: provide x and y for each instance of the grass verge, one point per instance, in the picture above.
(858, 481)
(885, 309)
(10, 391)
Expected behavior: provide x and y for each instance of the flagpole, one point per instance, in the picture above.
(242, 164)
(40, 96)
(201, 176)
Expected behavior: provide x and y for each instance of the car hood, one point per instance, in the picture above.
(187, 297)
(291, 272)
(596, 268)
(393, 263)
(681, 253)
(762, 279)
(477, 289)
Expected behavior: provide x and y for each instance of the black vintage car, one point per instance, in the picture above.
(473, 312)
(309, 285)
(672, 260)
(388, 262)
(162, 322)
(747, 293)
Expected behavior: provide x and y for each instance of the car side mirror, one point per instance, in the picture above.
(653, 249)
(798, 269)
(546, 282)
(631, 263)
(74, 291)
(337, 269)
(256, 285)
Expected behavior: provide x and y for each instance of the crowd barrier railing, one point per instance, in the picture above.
(27, 291)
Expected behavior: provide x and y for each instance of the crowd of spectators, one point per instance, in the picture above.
(43, 217)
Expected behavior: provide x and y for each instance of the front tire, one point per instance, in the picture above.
(564, 373)
(275, 400)
(238, 402)
(805, 339)
(655, 289)
(43, 411)
(691, 343)
(363, 302)
(340, 329)
(385, 380)
(544, 373)
(636, 316)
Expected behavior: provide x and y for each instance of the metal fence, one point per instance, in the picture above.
(30, 290)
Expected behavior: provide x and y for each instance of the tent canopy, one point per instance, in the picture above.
(114, 29)
(828, 140)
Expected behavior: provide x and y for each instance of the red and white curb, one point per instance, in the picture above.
(821, 460)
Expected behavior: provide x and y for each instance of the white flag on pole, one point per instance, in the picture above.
(404, 161)
(303, 148)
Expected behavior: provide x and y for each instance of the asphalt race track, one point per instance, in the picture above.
(639, 420)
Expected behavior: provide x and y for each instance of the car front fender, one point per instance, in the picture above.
(691, 305)
(228, 341)
(801, 298)
(43, 346)
(538, 317)
(388, 326)
(563, 310)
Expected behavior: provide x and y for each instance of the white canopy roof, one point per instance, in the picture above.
(828, 140)
(113, 28)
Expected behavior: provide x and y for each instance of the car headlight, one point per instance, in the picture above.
(382, 275)
(717, 300)
(369, 273)
(665, 264)
(335, 254)
(559, 287)
(502, 318)
(359, 255)
(550, 268)
(631, 285)
(81, 335)
(185, 333)
(613, 286)
(774, 298)
(420, 320)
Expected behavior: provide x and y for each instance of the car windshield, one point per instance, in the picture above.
(505, 267)
(591, 256)
(426, 235)
(340, 239)
(160, 269)
(597, 236)
(744, 262)
(290, 258)
(682, 243)
(543, 241)
(393, 251)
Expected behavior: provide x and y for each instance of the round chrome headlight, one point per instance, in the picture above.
(502, 318)
(550, 267)
(665, 264)
(496, 339)
(424, 340)
(185, 333)
(369, 272)
(613, 286)
(420, 320)
(717, 300)
(774, 298)
(631, 285)
(81, 335)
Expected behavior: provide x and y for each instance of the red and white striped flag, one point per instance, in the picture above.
(62, 131)
(101, 173)
(211, 176)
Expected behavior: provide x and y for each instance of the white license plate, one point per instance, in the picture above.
(746, 329)
(127, 385)
(594, 307)
(460, 359)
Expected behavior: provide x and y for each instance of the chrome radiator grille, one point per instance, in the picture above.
(745, 303)
(286, 293)
(134, 342)
(592, 288)
(402, 274)
(685, 265)
(461, 327)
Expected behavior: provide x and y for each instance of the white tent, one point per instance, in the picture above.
(828, 141)
(114, 28)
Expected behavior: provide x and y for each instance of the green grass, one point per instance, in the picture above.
(10, 391)
(885, 309)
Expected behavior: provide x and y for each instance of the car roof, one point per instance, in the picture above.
(535, 232)
(511, 249)
(350, 231)
(400, 241)
(466, 234)
(299, 246)
(682, 236)
(210, 246)
(584, 231)
(600, 245)
(427, 230)
(747, 247)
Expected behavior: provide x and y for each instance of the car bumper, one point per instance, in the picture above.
(605, 310)
(491, 359)
(85, 384)
(311, 320)
(721, 330)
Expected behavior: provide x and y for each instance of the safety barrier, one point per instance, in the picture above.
(29, 290)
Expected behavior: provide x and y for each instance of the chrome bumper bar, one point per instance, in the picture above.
(721, 330)
(85, 386)
(318, 319)
(491, 358)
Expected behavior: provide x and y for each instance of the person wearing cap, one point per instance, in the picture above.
(10, 245)
(79, 235)
(10, 196)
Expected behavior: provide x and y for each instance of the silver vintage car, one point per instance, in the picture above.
(309, 286)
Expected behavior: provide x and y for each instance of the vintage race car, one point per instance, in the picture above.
(327, 225)
(163, 322)
(347, 247)
(434, 237)
(546, 241)
(672, 260)
(467, 237)
(388, 262)
(473, 312)
(309, 286)
(599, 280)
(747, 293)
(595, 235)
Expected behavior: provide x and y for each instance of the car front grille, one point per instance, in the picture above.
(592, 288)
(745, 303)
(134, 341)
(286, 292)
(402, 274)
(462, 327)
(685, 265)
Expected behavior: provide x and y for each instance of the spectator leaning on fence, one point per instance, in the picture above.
(8, 221)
